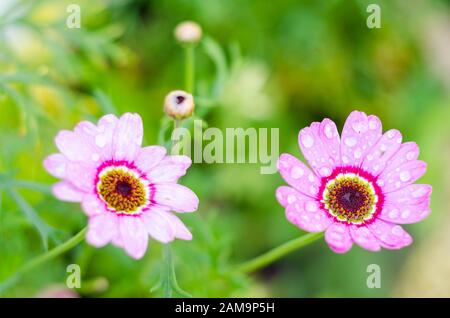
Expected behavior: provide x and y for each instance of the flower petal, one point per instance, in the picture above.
(74, 146)
(405, 214)
(56, 165)
(391, 236)
(320, 146)
(379, 155)
(149, 157)
(102, 228)
(409, 151)
(338, 238)
(403, 175)
(307, 215)
(170, 169)
(127, 137)
(81, 175)
(134, 236)
(360, 133)
(362, 236)
(177, 197)
(286, 195)
(298, 175)
(157, 225)
(179, 229)
(409, 195)
(92, 205)
(103, 140)
(65, 191)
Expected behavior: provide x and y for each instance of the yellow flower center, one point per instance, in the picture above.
(122, 189)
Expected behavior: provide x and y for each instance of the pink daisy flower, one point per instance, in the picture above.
(361, 185)
(127, 192)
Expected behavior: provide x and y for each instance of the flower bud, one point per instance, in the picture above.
(188, 32)
(179, 104)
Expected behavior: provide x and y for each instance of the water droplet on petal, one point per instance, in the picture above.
(291, 199)
(359, 127)
(393, 213)
(100, 140)
(419, 193)
(410, 155)
(350, 141)
(357, 154)
(390, 134)
(311, 206)
(325, 171)
(307, 140)
(95, 157)
(373, 124)
(328, 132)
(406, 214)
(405, 176)
(296, 172)
(397, 230)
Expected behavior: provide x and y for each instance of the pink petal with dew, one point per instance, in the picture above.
(157, 225)
(409, 151)
(134, 235)
(320, 146)
(175, 196)
(362, 236)
(92, 205)
(65, 191)
(103, 139)
(405, 214)
(102, 228)
(127, 137)
(149, 157)
(391, 236)
(286, 195)
(402, 176)
(408, 205)
(307, 214)
(56, 165)
(409, 195)
(338, 238)
(298, 175)
(170, 169)
(379, 155)
(360, 133)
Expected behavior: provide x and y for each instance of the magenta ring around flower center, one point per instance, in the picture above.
(359, 172)
(140, 175)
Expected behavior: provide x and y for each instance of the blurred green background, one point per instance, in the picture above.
(260, 64)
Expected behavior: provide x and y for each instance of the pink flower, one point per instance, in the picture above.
(361, 185)
(126, 191)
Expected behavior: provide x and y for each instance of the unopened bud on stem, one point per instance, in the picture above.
(179, 104)
(188, 32)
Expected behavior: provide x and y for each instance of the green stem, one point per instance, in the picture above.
(167, 271)
(189, 68)
(41, 259)
(277, 253)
